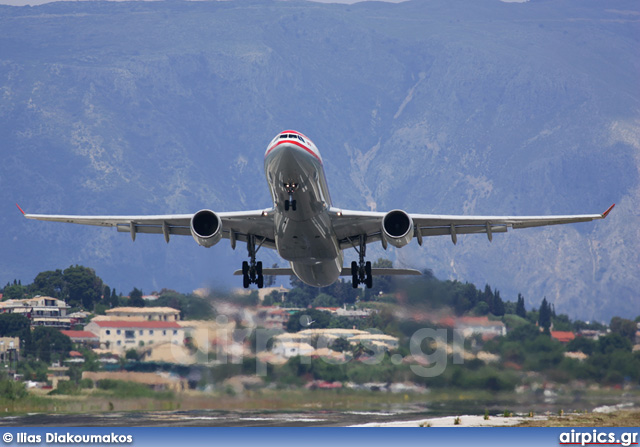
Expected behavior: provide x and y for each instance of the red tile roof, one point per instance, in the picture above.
(563, 336)
(80, 334)
(139, 324)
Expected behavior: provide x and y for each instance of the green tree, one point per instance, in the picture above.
(613, 342)
(482, 308)
(106, 295)
(581, 344)
(49, 283)
(114, 300)
(50, 344)
(498, 305)
(299, 297)
(10, 389)
(488, 297)
(624, 327)
(191, 307)
(135, 298)
(14, 325)
(520, 309)
(308, 319)
(84, 287)
(340, 345)
(13, 292)
(132, 354)
(544, 317)
(324, 300)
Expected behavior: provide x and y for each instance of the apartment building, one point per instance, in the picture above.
(41, 310)
(118, 336)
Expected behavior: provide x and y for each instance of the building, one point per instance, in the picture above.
(155, 381)
(563, 336)
(292, 349)
(287, 343)
(281, 291)
(57, 374)
(169, 353)
(119, 336)
(273, 317)
(469, 326)
(83, 338)
(382, 341)
(41, 310)
(144, 313)
(9, 351)
(354, 313)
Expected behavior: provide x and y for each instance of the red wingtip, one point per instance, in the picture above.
(608, 210)
(20, 209)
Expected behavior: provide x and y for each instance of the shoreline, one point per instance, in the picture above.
(612, 416)
(450, 421)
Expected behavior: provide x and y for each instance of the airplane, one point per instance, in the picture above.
(306, 229)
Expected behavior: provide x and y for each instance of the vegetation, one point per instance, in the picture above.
(50, 345)
(121, 389)
(527, 347)
(191, 307)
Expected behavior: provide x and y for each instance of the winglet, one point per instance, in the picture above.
(20, 209)
(608, 211)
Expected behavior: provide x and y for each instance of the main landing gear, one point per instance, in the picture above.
(361, 271)
(252, 271)
(290, 204)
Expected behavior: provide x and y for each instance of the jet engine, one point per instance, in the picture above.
(397, 229)
(206, 228)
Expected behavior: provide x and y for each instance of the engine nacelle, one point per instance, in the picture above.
(397, 228)
(206, 228)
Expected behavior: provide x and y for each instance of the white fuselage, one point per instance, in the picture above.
(303, 236)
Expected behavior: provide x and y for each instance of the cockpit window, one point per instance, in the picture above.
(283, 136)
(301, 139)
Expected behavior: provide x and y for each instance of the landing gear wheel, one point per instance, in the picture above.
(286, 205)
(259, 276)
(354, 274)
(252, 271)
(361, 271)
(293, 205)
(368, 277)
(245, 275)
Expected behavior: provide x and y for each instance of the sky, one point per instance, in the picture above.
(41, 2)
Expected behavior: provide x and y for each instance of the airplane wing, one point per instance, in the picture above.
(350, 225)
(236, 226)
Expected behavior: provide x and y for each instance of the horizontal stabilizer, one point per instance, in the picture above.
(271, 272)
(346, 271)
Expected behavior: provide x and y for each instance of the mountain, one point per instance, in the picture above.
(476, 107)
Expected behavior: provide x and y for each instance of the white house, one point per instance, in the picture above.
(41, 310)
(120, 336)
(291, 349)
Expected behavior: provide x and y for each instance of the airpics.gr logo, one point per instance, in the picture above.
(601, 438)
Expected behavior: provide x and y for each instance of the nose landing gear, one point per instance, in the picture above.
(290, 204)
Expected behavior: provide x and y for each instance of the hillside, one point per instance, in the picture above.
(429, 106)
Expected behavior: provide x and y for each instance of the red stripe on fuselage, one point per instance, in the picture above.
(297, 144)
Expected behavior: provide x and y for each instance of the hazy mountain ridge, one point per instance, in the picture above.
(476, 107)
